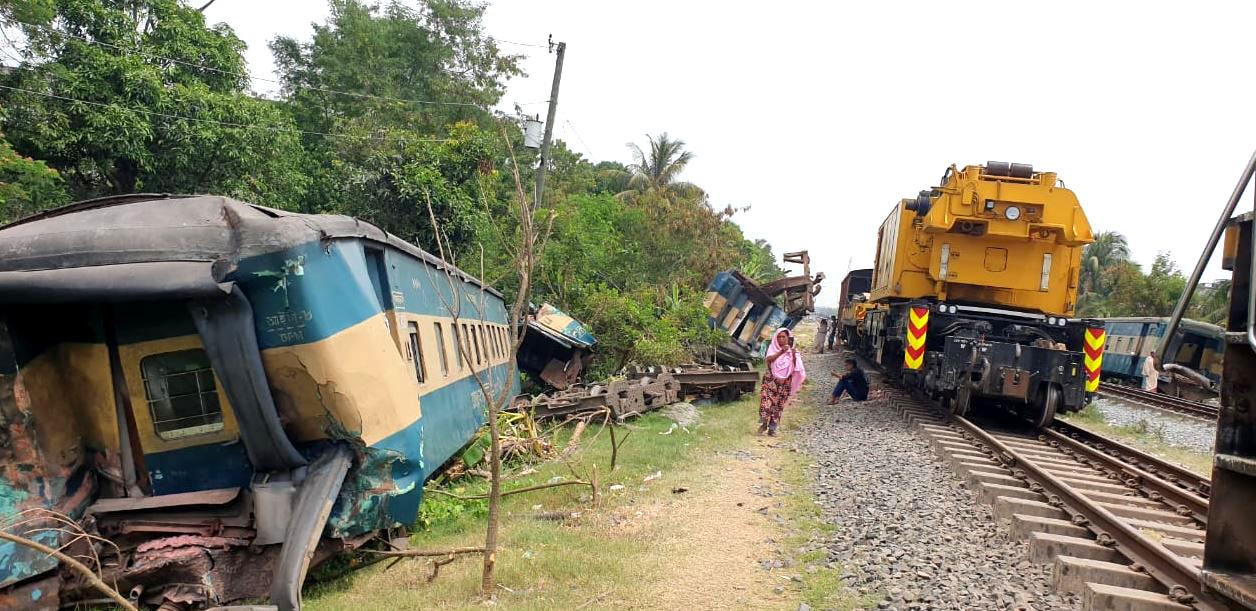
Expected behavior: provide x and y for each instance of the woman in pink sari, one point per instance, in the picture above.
(781, 381)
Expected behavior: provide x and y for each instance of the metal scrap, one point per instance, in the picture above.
(644, 390)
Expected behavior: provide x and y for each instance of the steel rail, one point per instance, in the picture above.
(1183, 501)
(1198, 484)
(1163, 565)
(1176, 405)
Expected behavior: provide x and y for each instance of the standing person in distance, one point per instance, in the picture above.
(822, 335)
(1151, 375)
(784, 376)
(832, 332)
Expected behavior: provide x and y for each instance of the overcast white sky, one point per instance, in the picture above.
(821, 115)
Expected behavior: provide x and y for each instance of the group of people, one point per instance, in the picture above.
(786, 373)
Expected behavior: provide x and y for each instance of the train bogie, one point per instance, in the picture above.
(960, 354)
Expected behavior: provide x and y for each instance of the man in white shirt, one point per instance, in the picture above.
(1151, 375)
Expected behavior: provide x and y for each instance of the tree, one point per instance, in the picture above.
(396, 99)
(26, 185)
(123, 96)
(421, 67)
(657, 172)
(1161, 287)
(1211, 304)
(1109, 248)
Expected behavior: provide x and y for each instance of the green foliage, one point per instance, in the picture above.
(656, 172)
(385, 114)
(26, 185)
(433, 50)
(1112, 285)
(127, 80)
(439, 511)
(390, 158)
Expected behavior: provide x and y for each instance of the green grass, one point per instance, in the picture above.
(588, 560)
(1143, 435)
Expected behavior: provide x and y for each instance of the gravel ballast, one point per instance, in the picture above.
(907, 530)
(1180, 431)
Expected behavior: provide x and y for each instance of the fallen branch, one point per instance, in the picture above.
(480, 497)
(77, 566)
(436, 564)
(423, 553)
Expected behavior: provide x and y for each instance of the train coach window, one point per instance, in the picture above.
(440, 349)
(475, 340)
(182, 395)
(457, 345)
(466, 345)
(416, 349)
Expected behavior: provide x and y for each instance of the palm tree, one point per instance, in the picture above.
(657, 171)
(1109, 248)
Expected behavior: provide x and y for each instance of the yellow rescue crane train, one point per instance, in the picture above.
(973, 290)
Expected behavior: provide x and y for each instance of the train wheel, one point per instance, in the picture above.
(1046, 406)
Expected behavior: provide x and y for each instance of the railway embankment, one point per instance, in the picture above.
(909, 533)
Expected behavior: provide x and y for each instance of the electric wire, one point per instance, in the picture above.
(579, 137)
(243, 75)
(211, 121)
(520, 44)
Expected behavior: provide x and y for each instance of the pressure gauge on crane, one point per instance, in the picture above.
(1012, 213)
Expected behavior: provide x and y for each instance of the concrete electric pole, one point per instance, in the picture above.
(549, 119)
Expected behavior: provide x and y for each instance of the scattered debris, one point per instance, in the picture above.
(679, 490)
(683, 413)
(653, 476)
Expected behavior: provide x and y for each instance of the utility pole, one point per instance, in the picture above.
(549, 119)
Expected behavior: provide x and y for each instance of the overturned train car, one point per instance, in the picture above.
(229, 393)
(750, 312)
(972, 292)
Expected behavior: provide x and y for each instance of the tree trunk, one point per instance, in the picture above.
(494, 502)
(125, 174)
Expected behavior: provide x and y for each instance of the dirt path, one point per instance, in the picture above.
(719, 536)
(726, 539)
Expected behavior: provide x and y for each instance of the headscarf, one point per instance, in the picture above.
(786, 367)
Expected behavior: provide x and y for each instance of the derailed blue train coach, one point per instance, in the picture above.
(229, 393)
(739, 306)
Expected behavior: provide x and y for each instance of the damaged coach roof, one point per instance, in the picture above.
(151, 246)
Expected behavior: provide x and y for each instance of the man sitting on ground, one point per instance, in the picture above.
(854, 383)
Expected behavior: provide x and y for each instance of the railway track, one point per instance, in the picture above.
(1124, 529)
(1177, 405)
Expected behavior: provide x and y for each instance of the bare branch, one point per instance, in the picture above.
(75, 565)
(421, 553)
(480, 497)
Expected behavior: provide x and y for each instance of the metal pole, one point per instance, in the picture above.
(549, 125)
(1191, 283)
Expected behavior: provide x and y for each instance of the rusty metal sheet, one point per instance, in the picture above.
(1016, 383)
(220, 496)
(562, 375)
